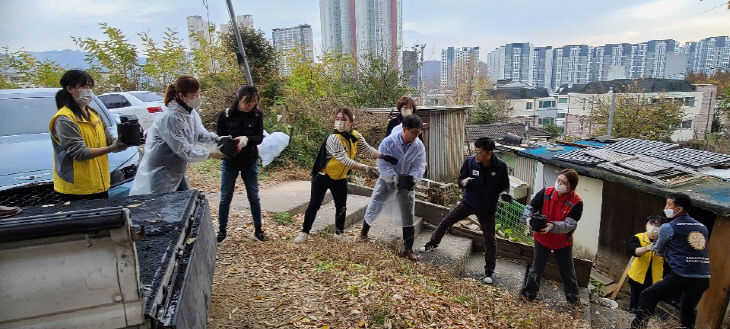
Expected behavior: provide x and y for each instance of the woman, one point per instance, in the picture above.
(563, 208)
(243, 121)
(405, 106)
(81, 141)
(174, 140)
(647, 267)
(333, 162)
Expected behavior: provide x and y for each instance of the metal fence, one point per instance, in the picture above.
(508, 222)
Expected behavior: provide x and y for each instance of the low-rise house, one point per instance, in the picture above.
(622, 182)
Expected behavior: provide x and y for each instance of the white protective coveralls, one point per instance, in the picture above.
(174, 140)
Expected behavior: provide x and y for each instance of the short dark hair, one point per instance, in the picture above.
(655, 219)
(572, 177)
(412, 121)
(484, 143)
(346, 112)
(405, 100)
(681, 199)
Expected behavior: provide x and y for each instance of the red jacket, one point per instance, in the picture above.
(556, 208)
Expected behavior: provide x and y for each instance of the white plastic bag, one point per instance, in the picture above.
(271, 146)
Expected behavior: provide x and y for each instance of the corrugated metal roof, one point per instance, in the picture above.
(659, 174)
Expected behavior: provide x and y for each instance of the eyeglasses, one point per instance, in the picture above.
(564, 182)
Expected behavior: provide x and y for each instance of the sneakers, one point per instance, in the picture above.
(428, 247)
(259, 235)
(361, 238)
(221, 236)
(301, 237)
(488, 279)
(341, 237)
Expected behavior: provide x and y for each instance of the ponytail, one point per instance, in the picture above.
(183, 85)
(170, 93)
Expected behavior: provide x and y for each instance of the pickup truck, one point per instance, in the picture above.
(131, 262)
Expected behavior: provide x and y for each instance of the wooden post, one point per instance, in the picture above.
(712, 306)
(623, 278)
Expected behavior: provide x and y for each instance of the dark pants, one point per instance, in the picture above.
(671, 285)
(76, 197)
(486, 221)
(565, 266)
(338, 188)
(636, 289)
(250, 177)
(408, 234)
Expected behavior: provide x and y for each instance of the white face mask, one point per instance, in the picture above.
(340, 125)
(652, 231)
(195, 103)
(560, 187)
(669, 213)
(406, 111)
(84, 97)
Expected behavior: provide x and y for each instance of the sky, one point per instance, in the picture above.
(42, 25)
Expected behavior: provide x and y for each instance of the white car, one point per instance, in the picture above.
(146, 105)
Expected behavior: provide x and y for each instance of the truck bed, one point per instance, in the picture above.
(176, 253)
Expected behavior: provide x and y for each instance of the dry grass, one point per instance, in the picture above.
(324, 283)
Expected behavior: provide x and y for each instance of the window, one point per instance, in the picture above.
(528, 106)
(687, 124)
(547, 104)
(561, 115)
(546, 121)
(689, 101)
(563, 100)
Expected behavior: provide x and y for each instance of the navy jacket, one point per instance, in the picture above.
(481, 193)
(683, 243)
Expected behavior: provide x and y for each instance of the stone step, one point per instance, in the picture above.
(384, 232)
(325, 220)
(451, 254)
(509, 275)
(292, 197)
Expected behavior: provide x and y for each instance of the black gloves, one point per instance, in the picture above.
(506, 197)
(391, 159)
(406, 182)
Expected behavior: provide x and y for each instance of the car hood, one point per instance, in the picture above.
(29, 159)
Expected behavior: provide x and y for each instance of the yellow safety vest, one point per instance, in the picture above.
(336, 169)
(640, 265)
(82, 177)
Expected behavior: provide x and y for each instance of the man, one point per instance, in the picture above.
(483, 177)
(683, 243)
(647, 267)
(399, 180)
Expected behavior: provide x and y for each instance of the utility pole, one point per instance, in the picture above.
(421, 92)
(610, 112)
(241, 55)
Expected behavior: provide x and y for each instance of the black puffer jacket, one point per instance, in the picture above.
(236, 123)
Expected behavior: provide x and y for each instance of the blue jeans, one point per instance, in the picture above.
(250, 177)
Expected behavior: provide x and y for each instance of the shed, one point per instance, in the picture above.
(625, 181)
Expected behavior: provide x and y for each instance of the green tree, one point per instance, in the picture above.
(378, 84)
(490, 110)
(260, 53)
(637, 116)
(166, 62)
(114, 59)
(553, 130)
(47, 74)
(18, 62)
